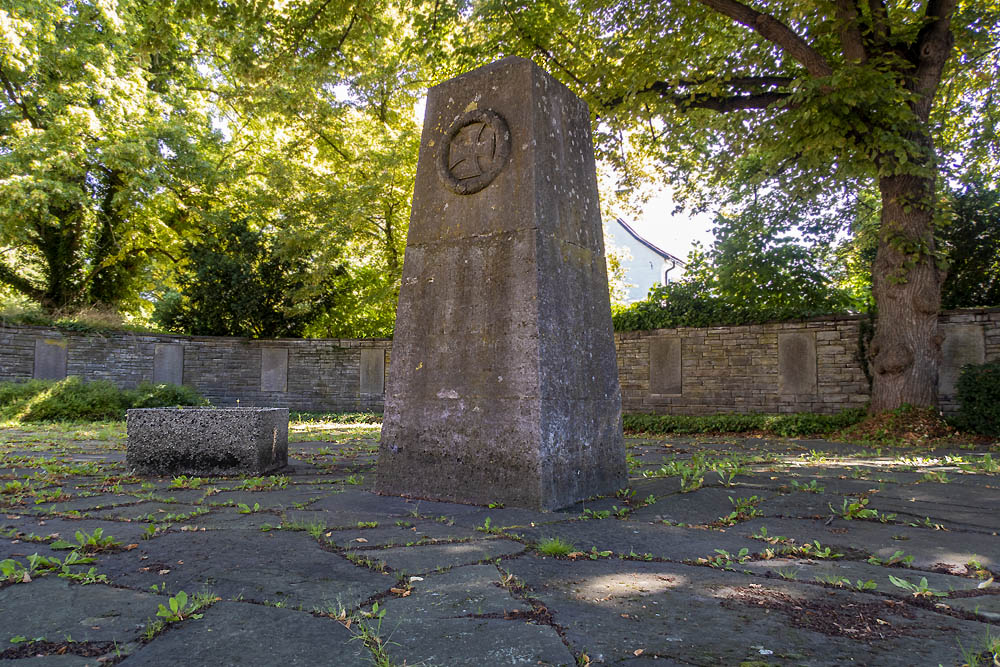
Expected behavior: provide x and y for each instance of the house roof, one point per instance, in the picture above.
(659, 251)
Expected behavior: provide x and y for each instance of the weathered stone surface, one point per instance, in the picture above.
(963, 344)
(372, 371)
(503, 386)
(235, 633)
(197, 441)
(797, 363)
(168, 363)
(665, 366)
(50, 358)
(274, 369)
(87, 613)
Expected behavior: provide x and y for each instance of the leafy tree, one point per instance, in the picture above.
(754, 272)
(972, 243)
(237, 284)
(88, 114)
(803, 99)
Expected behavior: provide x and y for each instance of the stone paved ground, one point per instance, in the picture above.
(722, 552)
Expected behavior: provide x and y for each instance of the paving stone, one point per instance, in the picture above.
(122, 531)
(828, 571)
(54, 608)
(238, 633)
(460, 591)
(703, 506)
(622, 537)
(476, 642)
(143, 510)
(427, 558)
(611, 609)
(387, 535)
(458, 618)
(931, 549)
(276, 566)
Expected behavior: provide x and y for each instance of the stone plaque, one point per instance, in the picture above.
(50, 358)
(372, 371)
(274, 369)
(168, 363)
(503, 385)
(963, 344)
(797, 363)
(665, 366)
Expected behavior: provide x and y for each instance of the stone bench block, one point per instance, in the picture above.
(206, 441)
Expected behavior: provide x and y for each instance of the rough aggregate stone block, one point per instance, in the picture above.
(206, 441)
(504, 385)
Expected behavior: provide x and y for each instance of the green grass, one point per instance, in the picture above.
(553, 546)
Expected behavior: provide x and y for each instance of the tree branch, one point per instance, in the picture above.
(850, 33)
(16, 99)
(10, 278)
(775, 32)
(930, 52)
(723, 104)
(880, 21)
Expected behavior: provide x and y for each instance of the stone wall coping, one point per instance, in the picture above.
(944, 314)
(108, 333)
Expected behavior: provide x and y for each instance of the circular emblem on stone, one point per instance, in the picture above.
(475, 149)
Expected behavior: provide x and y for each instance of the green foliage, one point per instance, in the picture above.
(88, 542)
(74, 400)
(978, 393)
(237, 284)
(790, 425)
(755, 272)
(181, 608)
(554, 546)
(971, 241)
(920, 589)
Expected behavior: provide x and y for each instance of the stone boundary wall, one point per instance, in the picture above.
(300, 374)
(803, 366)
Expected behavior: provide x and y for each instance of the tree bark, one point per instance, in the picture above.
(906, 350)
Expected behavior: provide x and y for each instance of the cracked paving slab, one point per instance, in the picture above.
(239, 633)
(696, 615)
(276, 566)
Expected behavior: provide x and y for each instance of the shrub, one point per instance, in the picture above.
(978, 391)
(74, 400)
(149, 395)
(789, 426)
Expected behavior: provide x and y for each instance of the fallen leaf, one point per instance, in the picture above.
(638, 652)
(25, 579)
(985, 583)
(163, 572)
(360, 539)
(328, 534)
(129, 547)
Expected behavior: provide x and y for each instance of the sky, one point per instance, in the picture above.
(675, 233)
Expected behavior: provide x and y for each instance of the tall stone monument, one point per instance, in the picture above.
(503, 385)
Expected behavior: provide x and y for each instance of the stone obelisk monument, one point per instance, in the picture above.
(503, 385)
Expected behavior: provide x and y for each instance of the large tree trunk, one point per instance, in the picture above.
(906, 349)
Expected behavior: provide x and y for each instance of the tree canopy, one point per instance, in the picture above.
(132, 132)
(802, 103)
